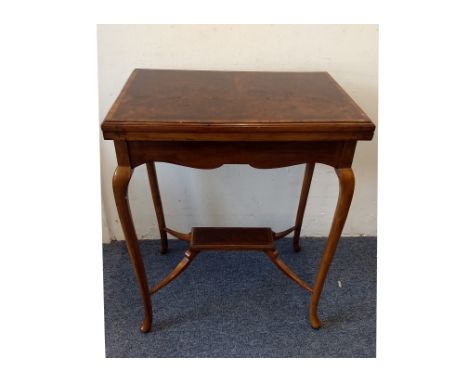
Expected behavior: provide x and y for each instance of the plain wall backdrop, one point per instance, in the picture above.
(240, 195)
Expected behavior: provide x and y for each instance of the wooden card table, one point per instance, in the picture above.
(204, 119)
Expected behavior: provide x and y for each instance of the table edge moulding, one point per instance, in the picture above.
(205, 119)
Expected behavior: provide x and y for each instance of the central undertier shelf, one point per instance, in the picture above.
(231, 238)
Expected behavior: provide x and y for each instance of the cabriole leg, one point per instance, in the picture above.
(120, 182)
(346, 181)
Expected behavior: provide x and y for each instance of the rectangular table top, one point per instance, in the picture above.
(234, 106)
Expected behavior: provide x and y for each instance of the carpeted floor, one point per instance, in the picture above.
(238, 304)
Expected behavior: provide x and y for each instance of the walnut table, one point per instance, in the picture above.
(204, 119)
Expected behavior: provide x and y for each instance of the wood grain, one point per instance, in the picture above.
(120, 183)
(158, 207)
(308, 173)
(207, 155)
(205, 119)
(346, 181)
(231, 238)
(220, 105)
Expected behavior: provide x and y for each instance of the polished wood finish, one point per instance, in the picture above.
(346, 179)
(120, 182)
(179, 235)
(228, 239)
(308, 173)
(190, 254)
(280, 235)
(247, 239)
(185, 105)
(231, 238)
(204, 119)
(265, 155)
(156, 195)
(274, 257)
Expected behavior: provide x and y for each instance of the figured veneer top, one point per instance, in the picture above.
(169, 104)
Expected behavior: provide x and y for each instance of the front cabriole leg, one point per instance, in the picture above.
(346, 181)
(120, 183)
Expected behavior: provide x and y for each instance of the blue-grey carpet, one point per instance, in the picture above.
(238, 304)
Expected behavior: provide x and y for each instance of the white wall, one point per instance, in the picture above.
(240, 195)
